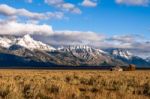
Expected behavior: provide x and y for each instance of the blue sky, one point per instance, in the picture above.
(107, 17)
(100, 23)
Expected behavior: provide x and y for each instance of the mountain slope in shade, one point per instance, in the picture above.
(23, 57)
(90, 57)
(127, 57)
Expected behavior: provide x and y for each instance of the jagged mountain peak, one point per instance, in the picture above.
(82, 51)
(28, 42)
(122, 53)
(127, 57)
(25, 41)
(28, 37)
(72, 47)
(78, 48)
(82, 48)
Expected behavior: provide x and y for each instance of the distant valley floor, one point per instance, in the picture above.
(70, 67)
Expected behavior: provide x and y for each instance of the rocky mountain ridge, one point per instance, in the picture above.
(27, 51)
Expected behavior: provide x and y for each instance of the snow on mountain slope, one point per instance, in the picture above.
(26, 41)
(127, 57)
(5, 42)
(122, 53)
(85, 55)
(82, 51)
(29, 43)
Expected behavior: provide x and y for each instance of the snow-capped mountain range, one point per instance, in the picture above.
(25, 41)
(27, 51)
(29, 43)
(86, 54)
(82, 51)
(127, 57)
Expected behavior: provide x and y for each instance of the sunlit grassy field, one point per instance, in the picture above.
(71, 84)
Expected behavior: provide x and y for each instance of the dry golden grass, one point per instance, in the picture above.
(53, 84)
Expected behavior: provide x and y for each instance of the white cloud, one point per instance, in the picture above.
(64, 6)
(72, 38)
(80, 35)
(10, 11)
(134, 2)
(89, 3)
(127, 41)
(15, 28)
(54, 2)
(70, 8)
(125, 38)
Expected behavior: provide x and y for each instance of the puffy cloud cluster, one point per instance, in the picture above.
(89, 3)
(134, 2)
(61, 4)
(10, 11)
(12, 22)
(71, 38)
(125, 41)
(15, 28)
(125, 38)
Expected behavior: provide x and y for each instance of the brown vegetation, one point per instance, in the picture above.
(42, 84)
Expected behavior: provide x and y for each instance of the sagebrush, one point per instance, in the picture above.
(54, 84)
